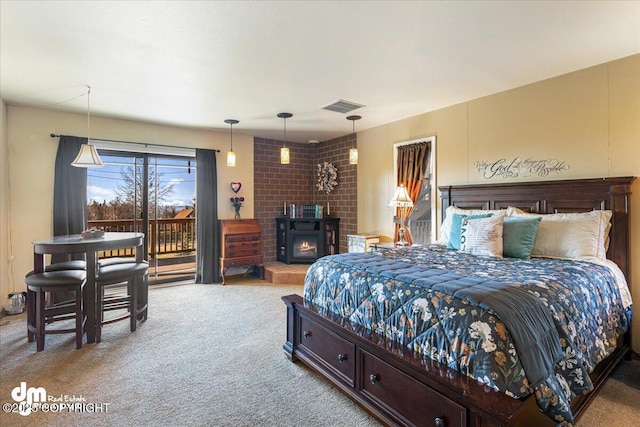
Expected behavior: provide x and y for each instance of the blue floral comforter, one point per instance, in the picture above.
(400, 294)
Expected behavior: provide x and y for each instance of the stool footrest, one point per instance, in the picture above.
(50, 320)
(115, 319)
(116, 306)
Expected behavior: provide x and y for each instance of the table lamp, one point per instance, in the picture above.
(401, 200)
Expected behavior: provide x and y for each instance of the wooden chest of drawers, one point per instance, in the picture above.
(241, 245)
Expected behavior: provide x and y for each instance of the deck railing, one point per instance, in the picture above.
(166, 236)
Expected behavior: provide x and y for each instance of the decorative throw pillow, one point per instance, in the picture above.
(519, 236)
(482, 236)
(445, 228)
(571, 235)
(456, 228)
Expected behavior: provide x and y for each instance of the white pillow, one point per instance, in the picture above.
(482, 236)
(445, 228)
(570, 235)
(513, 211)
(607, 239)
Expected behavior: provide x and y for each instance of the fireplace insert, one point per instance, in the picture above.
(305, 240)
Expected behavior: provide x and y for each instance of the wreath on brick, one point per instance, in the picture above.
(327, 177)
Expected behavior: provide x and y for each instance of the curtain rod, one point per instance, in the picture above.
(53, 135)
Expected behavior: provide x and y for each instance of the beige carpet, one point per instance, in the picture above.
(208, 355)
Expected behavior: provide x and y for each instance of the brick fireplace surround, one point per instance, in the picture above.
(276, 184)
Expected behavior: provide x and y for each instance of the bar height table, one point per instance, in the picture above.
(74, 244)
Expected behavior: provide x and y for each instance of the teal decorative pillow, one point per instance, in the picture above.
(456, 228)
(519, 235)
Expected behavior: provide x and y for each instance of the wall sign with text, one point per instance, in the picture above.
(519, 167)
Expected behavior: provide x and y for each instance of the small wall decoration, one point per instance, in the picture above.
(519, 167)
(327, 177)
(236, 186)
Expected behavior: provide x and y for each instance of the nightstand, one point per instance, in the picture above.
(384, 246)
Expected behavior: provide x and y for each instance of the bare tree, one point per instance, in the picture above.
(130, 190)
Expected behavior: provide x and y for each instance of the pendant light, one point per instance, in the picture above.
(353, 152)
(284, 151)
(231, 155)
(88, 156)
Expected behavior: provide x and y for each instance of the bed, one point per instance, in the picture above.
(441, 336)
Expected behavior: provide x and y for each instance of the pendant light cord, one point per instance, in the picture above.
(285, 116)
(88, 112)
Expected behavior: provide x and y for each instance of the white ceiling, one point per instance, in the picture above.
(197, 63)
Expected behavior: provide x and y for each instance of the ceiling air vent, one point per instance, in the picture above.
(342, 106)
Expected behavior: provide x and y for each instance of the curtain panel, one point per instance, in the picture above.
(207, 245)
(413, 161)
(69, 192)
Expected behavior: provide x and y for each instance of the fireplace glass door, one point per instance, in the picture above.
(304, 246)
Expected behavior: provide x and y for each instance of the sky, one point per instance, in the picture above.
(101, 183)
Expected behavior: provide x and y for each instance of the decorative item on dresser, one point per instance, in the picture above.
(237, 204)
(241, 246)
(361, 242)
(305, 240)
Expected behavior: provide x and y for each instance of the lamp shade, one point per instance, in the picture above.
(231, 158)
(284, 155)
(401, 198)
(88, 157)
(353, 156)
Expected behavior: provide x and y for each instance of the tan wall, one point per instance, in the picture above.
(590, 119)
(32, 156)
(6, 285)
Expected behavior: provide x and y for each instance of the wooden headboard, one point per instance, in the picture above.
(577, 195)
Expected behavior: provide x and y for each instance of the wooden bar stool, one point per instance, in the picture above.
(63, 298)
(131, 273)
(141, 282)
(39, 315)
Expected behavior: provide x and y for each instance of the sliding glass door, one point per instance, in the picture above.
(152, 194)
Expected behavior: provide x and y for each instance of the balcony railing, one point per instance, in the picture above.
(420, 231)
(166, 236)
